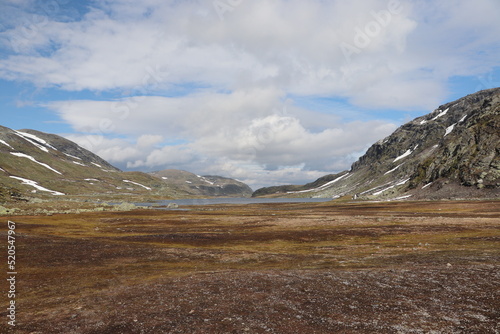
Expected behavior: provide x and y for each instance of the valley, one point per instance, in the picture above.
(406, 241)
(260, 167)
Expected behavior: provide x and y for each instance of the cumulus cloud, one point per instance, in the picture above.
(295, 45)
(225, 130)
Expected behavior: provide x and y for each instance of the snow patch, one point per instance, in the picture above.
(397, 184)
(449, 129)
(392, 170)
(96, 180)
(462, 119)
(164, 177)
(320, 187)
(137, 184)
(35, 184)
(22, 155)
(2, 170)
(441, 114)
(383, 141)
(370, 190)
(189, 182)
(5, 143)
(402, 197)
(93, 163)
(205, 180)
(72, 156)
(78, 163)
(404, 155)
(427, 185)
(37, 141)
(43, 148)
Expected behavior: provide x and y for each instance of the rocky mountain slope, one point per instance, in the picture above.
(34, 164)
(208, 185)
(450, 153)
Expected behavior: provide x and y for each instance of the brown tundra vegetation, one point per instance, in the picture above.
(333, 267)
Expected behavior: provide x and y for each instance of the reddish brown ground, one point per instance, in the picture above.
(407, 267)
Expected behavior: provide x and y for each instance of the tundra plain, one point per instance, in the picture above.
(333, 267)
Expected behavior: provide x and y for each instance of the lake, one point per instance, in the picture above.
(242, 200)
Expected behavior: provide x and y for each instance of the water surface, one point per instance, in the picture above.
(242, 200)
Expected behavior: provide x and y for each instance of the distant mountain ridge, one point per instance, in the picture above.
(450, 153)
(207, 185)
(42, 165)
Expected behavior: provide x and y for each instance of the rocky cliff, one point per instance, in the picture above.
(452, 152)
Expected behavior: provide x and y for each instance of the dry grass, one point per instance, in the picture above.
(281, 268)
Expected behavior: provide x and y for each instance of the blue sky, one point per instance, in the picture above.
(268, 92)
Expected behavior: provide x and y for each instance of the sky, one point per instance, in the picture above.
(268, 92)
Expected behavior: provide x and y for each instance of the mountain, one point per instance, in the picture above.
(452, 152)
(207, 185)
(42, 165)
(37, 164)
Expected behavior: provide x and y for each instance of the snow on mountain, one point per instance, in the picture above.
(427, 185)
(449, 129)
(326, 185)
(31, 137)
(40, 146)
(449, 153)
(390, 187)
(72, 156)
(21, 152)
(6, 144)
(137, 184)
(22, 155)
(404, 155)
(441, 114)
(203, 186)
(36, 185)
(392, 170)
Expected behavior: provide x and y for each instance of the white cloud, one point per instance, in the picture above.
(244, 132)
(149, 140)
(194, 85)
(293, 45)
(192, 115)
(114, 150)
